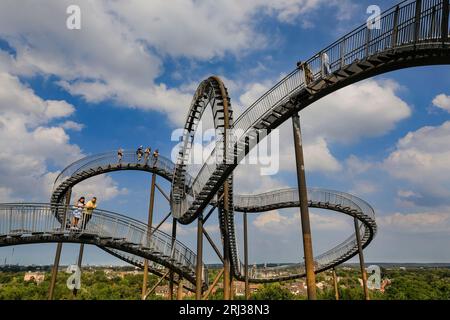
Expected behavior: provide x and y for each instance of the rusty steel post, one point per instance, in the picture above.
(213, 285)
(199, 266)
(171, 274)
(336, 288)
(247, 288)
(445, 19)
(51, 291)
(227, 277)
(361, 261)
(180, 288)
(150, 221)
(304, 213)
(80, 260)
(226, 253)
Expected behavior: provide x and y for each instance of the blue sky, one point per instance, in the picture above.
(127, 78)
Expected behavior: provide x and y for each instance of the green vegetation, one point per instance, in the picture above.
(410, 284)
(95, 286)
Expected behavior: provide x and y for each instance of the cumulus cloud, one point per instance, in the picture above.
(424, 222)
(31, 149)
(71, 125)
(275, 223)
(118, 53)
(421, 158)
(102, 187)
(368, 109)
(442, 101)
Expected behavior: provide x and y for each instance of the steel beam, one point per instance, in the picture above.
(162, 192)
(51, 291)
(199, 266)
(211, 287)
(445, 25)
(417, 21)
(174, 236)
(150, 221)
(304, 213)
(361, 261)
(247, 288)
(180, 288)
(395, 28)
(149, 292)
(80, 260)
(335, 282)
(213, 245)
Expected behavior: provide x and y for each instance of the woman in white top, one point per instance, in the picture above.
(77, 212)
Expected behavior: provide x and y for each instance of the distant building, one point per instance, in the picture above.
(162, 291)
(239, 288)
(34, 276)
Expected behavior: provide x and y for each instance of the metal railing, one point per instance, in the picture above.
(162, 164)
(403, 25)
(335, 200)
(24, 220)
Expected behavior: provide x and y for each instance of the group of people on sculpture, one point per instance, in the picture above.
(82, 212)
(140, 152)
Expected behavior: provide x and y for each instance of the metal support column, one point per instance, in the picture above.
(247, 288)
(227, 277)
(51, 291)
(180, 288)
(213, 285)
(304, 213)
(199, 266)
(79, 262)
(361, 261)
(226, 256)
(445, 25)
(417, 21)
(171, 274)
(336, 288)
(150, 221)
(395, 28)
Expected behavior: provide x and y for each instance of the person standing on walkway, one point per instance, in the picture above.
(139, 153)
(88, 209)
(326, 69)
(120, 155)
(77, 212)
(309, 77)
(147, 153)
(155, 157)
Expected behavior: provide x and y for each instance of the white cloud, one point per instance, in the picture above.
(442, 101)
(356, 166)
(363, 187)
(102, 187)
(31, 150)
(117, 55)
(274, 223)
(421, 158)
(367, 109)
(416, 222)
(71, 125)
